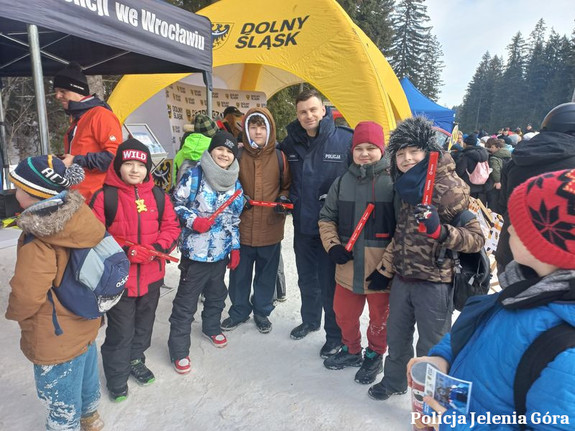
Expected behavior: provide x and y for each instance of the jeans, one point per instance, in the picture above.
(70, 390)
(266, 261)
(196, 278)
(316, 281)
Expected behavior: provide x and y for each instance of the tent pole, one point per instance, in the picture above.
(34, 43)
(5, 181)
(209, 102)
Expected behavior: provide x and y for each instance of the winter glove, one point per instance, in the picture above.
(280, 209)
(202, 224)
(427, 214)
(234, 259)
(339, 255)
(139, 254)
(378, 281)
(247, 205)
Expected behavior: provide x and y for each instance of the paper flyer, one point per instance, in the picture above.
(450, 392)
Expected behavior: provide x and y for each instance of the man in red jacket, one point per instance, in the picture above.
(94, 134)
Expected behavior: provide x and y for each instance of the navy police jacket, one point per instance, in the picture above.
(314, 164)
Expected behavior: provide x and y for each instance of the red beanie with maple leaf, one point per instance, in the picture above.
(542, 212)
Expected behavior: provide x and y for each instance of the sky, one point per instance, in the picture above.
(467, 29)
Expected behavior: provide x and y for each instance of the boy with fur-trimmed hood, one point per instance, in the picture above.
(421, 288)
(261, 227)
(55, 220)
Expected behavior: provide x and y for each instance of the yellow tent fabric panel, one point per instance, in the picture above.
(282, 43)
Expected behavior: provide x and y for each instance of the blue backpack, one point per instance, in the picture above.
(93, 280)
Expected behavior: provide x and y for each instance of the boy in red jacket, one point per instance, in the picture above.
(137, 220)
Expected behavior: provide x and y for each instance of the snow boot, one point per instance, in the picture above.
(372, 365)
(343, 359)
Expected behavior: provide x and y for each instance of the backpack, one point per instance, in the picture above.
(472, 271)
(544, 349)
(480, 174)
(93, 281)
(111, 202)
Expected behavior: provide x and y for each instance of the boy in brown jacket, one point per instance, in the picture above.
(53, 221)
(261, 227)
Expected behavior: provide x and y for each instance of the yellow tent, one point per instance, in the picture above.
(266, 46)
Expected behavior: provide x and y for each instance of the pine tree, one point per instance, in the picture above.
(410, 40)
(537, 74)
(432, 67)
(473, 102)
(511, 89)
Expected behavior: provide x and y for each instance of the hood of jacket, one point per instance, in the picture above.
(502, 153)
(326, 127)
(271, 129)
(77, 109)
(544, 148)
(48, 218)
(475, 153)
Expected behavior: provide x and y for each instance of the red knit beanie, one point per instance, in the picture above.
(542, 212)
(368, 131)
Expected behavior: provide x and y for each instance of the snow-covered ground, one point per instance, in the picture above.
(258, 382)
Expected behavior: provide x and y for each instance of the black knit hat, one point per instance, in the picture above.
(132, 149)
(471, 140)
(45, 176)
(224, 139)
(72, 78)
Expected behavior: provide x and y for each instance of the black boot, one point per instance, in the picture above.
(343, 359)
(141, 373)
(380, 392)
(372, 365)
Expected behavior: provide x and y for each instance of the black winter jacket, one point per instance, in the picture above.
(545, 152)
(467, 161)
(314, 164)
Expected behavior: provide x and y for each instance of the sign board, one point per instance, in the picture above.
(185, 101)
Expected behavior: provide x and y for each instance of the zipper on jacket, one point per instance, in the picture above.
(138, 265)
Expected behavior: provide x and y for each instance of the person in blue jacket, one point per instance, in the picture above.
(317, 152)
(493, 332)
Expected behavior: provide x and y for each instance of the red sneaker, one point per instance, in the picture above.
(219, 340)
(183, 366)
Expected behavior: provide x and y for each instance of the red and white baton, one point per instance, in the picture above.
(225, 205)
(359, 227)
(270, 204)
(429, 182)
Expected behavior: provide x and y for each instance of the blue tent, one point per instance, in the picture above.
(421, 105)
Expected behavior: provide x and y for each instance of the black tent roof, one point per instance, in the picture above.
(107, 37)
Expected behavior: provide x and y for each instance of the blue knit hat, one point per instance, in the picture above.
(45, 176)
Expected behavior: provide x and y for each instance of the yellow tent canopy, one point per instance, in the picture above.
(266, 46)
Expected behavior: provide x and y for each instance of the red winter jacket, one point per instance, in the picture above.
(140, 228)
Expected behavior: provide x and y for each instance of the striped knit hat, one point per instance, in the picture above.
(45, 176)
(542, 212)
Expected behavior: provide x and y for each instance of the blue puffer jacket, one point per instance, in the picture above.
(491, 356)
(314, 164)
(194, 197)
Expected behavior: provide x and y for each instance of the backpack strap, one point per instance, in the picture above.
(281, 162)
(546, 347)
(160, 198)
(57, 327)
(460, 219)
(110, 204)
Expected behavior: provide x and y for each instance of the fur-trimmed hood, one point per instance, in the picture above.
(61, 221)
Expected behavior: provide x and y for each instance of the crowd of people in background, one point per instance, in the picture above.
(234, 186)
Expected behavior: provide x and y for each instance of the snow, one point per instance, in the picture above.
(257, 382)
